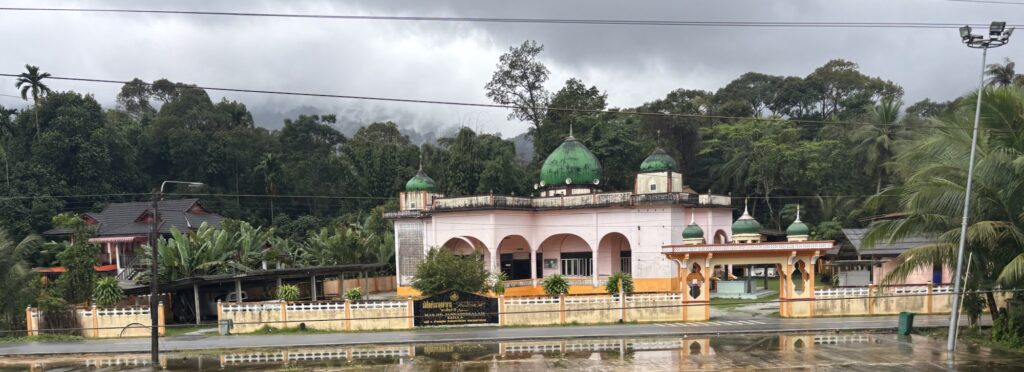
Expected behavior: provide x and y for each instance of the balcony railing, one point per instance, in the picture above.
(571, 201)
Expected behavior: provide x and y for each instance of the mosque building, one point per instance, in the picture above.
(572, 226)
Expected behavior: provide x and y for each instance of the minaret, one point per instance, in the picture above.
(797, 231)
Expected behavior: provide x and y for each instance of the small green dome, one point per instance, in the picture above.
(658, 161)
(798, 228)
(693, 231)
(746, 225)
(420, 182)
(572, 162)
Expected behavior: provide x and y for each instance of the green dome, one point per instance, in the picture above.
(658, 161)
(570, 161)
(693, 231)
(798, 229)
(420, 182)
(746, 225)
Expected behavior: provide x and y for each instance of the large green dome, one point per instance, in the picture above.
(573, 162)
(658, 161)
(693, 231)
(420, 182)
(746, 225)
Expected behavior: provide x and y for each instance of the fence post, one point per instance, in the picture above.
(220, 311)
(412, 314)
(160, 317)
(95, 322)
(928, 299)
(28, 321)
(348, 314)
(622, 304)
(284, 314)
(561, 308)
(871, 299)
(501, 310)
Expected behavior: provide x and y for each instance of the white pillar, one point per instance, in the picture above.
(593, 266)
(533, 267)
(238, 290)
(312, 287)
(195, 293)
(117, 257)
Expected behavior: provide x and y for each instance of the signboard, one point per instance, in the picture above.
(455, 308)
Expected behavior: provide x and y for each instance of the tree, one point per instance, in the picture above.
(30, 83)
(17, 278)
(442, 271)
(932, 196)
(612, 285)
(876, 142)
(841, 90)
(78, 280)
(751, 94)
(519, 81)
(271, 167)
(1001, 75)
(287, 292)
(134, 98)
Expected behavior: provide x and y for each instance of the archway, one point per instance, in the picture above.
(514, 258)
(694, 281)
(566, 254)
(466, 245)
(720, 237)
(614, 255)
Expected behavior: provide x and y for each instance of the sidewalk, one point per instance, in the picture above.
(470, 334)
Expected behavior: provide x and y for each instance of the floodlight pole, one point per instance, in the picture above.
(154, 276)
(997, 37)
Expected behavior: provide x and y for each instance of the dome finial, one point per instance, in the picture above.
(421, 159)
(570, 130)
(797, 213)
(745, 200)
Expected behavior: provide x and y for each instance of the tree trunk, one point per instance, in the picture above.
(993, 308)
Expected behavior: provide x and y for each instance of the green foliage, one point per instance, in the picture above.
(612, 285)
(441, 271)
(354, 294)
(518, 80)
(79, 261)
(210, 251)
(19, 282)
(107, 293)
(287, 292)
(498, 283)
(555, 285)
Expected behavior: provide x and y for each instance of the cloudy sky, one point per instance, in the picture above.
(453, 61)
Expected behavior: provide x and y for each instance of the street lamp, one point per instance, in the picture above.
(154, 264)
(998, 35)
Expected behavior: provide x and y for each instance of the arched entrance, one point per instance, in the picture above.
(614, 255)
(514, 258)
(566, 254)
(466, 245)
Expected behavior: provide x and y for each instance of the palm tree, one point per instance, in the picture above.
(270, 165)
(15, 277)
(31, 82)
(875, 142)
(935, 168)
(1000, 75)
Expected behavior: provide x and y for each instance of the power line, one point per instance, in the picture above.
(509, 107)
(562, 21)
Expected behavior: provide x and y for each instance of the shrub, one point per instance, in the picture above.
(555, 285)
(442, 271)
(498, 283)
(354, 294)
(107, 292)
(612, 286)
(288, 292)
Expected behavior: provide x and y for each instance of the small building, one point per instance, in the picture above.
(121, 228)
(871, 265)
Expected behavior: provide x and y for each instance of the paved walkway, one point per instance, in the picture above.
(470, 334)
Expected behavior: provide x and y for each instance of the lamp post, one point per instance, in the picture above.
(998, 35)
(154, 264)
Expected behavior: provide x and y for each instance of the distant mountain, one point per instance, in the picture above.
(524, 147)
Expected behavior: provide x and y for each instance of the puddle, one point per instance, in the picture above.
(839, 351)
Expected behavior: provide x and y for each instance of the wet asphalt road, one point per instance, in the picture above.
(471, 334)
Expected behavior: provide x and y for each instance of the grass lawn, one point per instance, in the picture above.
(40, 338)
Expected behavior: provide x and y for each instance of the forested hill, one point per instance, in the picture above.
(820, 140)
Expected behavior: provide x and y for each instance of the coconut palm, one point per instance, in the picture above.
(15, 277)
(1000, 75)
(935, 169)
(875, 142)
(270, 165)
(31, 83)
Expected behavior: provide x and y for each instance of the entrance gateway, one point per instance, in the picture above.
(453, 308)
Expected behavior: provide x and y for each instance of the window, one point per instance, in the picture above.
(412, 205)
(654, 187)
